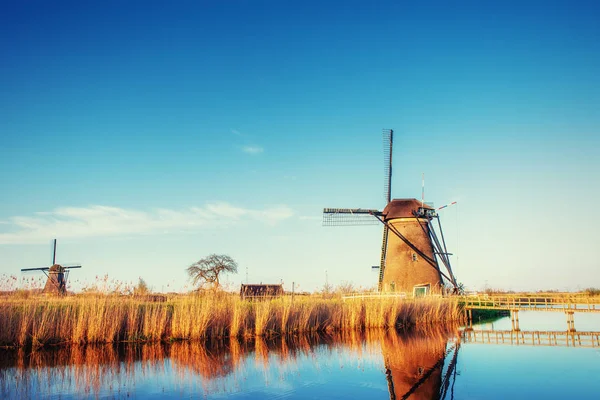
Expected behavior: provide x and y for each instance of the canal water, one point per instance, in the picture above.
(438, 364)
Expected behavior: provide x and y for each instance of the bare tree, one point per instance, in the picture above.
(207, 270)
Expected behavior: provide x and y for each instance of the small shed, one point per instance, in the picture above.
(260, 291)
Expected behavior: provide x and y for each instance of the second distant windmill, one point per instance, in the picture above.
(57, 275)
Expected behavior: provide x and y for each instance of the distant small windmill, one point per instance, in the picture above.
(411, 257)
(57, 275)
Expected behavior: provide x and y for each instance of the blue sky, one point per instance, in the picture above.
(145, 136)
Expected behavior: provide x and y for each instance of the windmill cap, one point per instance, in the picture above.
(403, 208)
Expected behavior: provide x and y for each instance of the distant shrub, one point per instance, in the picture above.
(492, 291)
(345, 288)
(592, 291)
(22, 294)
(141, 289)
(542, 291)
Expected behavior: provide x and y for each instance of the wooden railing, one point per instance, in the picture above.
(375, 295)
(533, 303)
(534, 338)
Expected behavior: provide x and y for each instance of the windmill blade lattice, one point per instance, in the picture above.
(388, 141)
(388, 146)
(349, 217)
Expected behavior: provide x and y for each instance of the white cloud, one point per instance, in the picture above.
(248, 148)
(253, 149)
(100, 220)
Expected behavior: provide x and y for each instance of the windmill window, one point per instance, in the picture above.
(414, 257)
(421, 290)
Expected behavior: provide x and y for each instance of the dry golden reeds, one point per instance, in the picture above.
(38, 321)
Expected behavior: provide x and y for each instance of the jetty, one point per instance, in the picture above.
(531, 338)
(548, 303)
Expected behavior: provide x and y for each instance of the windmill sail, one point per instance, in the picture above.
(441, 251)
(388, 143)
(349, 216)
(383, 255)
(48, 268)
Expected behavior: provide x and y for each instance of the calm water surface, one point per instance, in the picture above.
(373, 365)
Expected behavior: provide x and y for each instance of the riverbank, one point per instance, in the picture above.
(480, 316)
(41, 321)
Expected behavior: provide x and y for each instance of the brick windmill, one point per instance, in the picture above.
(57, 275)
(414, 258)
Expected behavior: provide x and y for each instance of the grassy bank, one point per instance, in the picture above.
(480, 316)
(40, 321)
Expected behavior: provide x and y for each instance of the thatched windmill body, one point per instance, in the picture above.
(414, 258)
(57, 275)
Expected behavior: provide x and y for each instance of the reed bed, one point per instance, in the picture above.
(40, 321)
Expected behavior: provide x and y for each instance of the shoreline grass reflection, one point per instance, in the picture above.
(219, 366)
